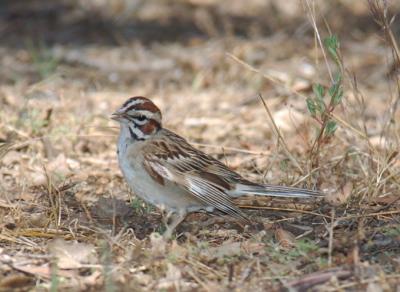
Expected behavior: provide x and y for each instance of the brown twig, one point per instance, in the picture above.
(317, 278)
(318, 36)
(369, 215)
(279, 135)
(282, 209)
(379, 10)
(331, 230)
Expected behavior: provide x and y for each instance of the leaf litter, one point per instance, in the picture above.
(67, 214)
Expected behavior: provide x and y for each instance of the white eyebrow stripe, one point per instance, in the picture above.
(146, 113)
(132, 103)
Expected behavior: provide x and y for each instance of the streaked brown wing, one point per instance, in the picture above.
(183, 157)
(204, 177)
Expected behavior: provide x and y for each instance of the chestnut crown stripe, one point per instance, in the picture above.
(143, 116)
(147, 106)
(135, 100)
(140, 103)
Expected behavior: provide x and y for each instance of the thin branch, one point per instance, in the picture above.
(314, 24)
(279, 135)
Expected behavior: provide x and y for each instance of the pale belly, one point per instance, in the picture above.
(168, 196)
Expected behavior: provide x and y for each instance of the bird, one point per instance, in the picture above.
(165, 170)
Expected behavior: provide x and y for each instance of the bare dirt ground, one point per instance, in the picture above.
(68, 221)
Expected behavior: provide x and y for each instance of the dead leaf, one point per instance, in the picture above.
(225, 250)
(378, 142)
(143, 279)
(11, 157)
(374, 287)
(44, 271)
(287, 119)
(386, 200)
(301, 85)
(59, 166)
(27, 196)
(38, 219)
(72, 255)
(177, 251)
(252, 247)
(38, 178)
(57, 170)
(14, 281)
(285, 238)
(108, 208)
(73, 164)
(339, 197)
(172, 279)
(92, 279)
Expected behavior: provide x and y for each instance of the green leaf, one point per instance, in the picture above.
(332, 45)
(283, 164)
(331, 42)
(333, 89)
(319, 91)
(337, 98)
(320, 105)
(331, 127)
(311, 106)
(338, 78)
(336, 90)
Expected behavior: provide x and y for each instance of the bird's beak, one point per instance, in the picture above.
(116, 116)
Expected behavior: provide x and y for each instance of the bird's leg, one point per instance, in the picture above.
(165, 215)
(176, 219)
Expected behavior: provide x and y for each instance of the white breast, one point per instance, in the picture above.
(169, 195)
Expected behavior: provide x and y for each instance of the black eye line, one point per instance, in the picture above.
(141, 118)
(133, 118)
(138, 118)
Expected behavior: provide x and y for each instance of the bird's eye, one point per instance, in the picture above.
(141, 118)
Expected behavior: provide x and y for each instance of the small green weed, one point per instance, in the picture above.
(141, 207)
(391, 231)
(32, 119)
(324, 102)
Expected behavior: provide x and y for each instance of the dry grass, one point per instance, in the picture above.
(68, 221)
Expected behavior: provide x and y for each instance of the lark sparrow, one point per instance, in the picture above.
(165, 170)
